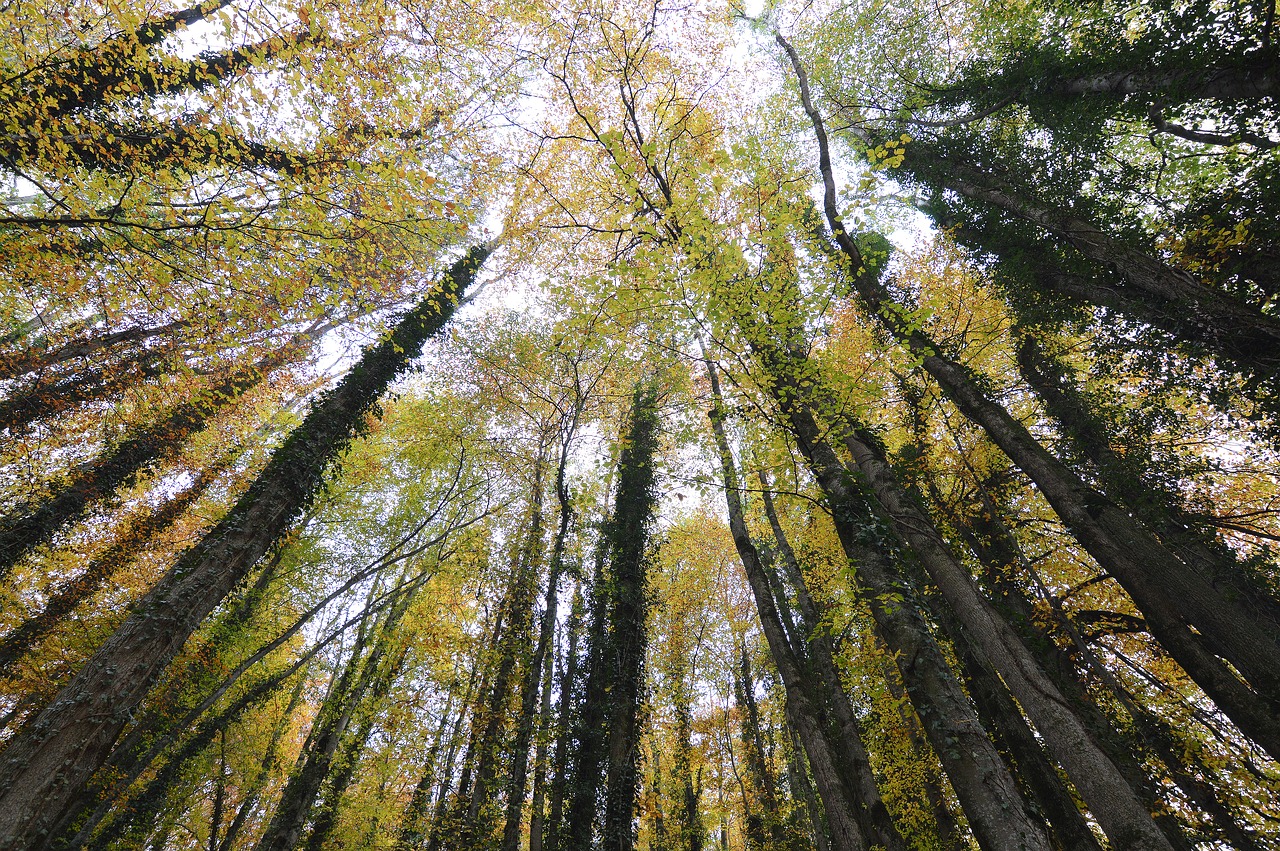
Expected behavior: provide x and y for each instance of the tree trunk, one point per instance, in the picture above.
(629, 539)
(802, 790)
(42, 399)
(518, 604)
(841, 806)
(412, 831)
(47, 763)
(843, 731)
(534, 675)
(1030, 765)
(1124, 481)
(767, 829)
(1120, 544)
(324, 815)
(559, 786)
(987, 792)
(16, 365)
(1234, 330)
(364, 676)
(1001, 559)
(269, 759)
(692, 831)
(608, 725)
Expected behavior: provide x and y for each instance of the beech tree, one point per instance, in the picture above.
(566, 425)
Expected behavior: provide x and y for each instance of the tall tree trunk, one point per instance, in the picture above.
(1235, 331)
(987, 791)
(1170, 594)
(692, 831)
(608, 726)
(1030, 765)
(850, 826)
(534, 676)
(270, 757)
(30, 360)
(842, 729)
(47, 763)
(802, 790)
(365, 675)
(1123, 817)
(412, 831)
(628, 533)
(767, 831)
(542, 757)
(1123, 480)
(43, 398)
(519, 603)
(1001, 558)
(324, 815)
(559, 786)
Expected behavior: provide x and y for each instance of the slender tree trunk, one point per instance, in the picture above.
(47, 763)
(324, 815)
(692, 831)
(270, 757)
(987, 792)
(364, 676)
(413, 823)
(608, 726)
(840, 805)
(1001, 558)
(845, 732)
(1030, 765)
(1237, 332)
(1125, 483)
(661, 837)
(22, 363)
(534, 677)
(519, 604)
(43, 399)
(768, 829)
(1126, 821)
(542, 756)
(802, 789)
(451, 809)
(559, 786)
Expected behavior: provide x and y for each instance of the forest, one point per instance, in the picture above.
(639, 425)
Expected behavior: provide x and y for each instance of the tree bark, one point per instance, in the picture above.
(628, 535)
(16, 365)
(845, 732)
(987, 792)
(1123, 480)
(608, 730)
(559, 786)
(534, 676)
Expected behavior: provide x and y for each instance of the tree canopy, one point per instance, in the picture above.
(566, 425)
